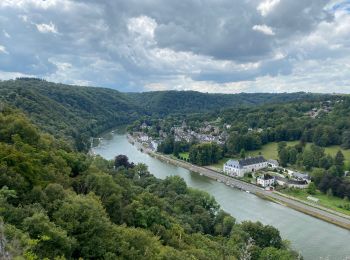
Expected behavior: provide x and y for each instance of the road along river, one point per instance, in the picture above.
(314, 238)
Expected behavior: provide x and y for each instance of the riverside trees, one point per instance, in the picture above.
(59, 204)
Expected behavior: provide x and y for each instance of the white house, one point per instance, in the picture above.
(301, 184)
(273, 163)
(144, 138)
(237, 168)
(265, 180)
(301, 176)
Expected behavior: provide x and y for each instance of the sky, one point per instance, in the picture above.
(226, 46)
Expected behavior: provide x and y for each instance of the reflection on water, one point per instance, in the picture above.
(313, 237)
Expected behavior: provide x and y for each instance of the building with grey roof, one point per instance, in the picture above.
(237, 168)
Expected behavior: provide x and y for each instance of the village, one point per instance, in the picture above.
(207, 133)
(266, 173)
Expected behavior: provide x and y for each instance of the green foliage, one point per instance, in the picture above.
(69, 112)
(59, 204)
(184, 102)
(311, 189)
(205, 153)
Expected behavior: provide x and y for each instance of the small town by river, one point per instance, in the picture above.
(314, 238)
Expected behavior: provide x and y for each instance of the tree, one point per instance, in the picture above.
(308, 159)
(122, 161)
(317, 175)
(326, 162)
(242, 154)
(339, 159)
(292, 155)
(52, 240)
(270, 253)
(346, 140)
(283, 156)
(85, 218)
(281, 146)
(205, 153)
(263, 236)
(311, 189)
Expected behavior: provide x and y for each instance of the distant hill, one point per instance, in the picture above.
(166, 102)
(80, 112)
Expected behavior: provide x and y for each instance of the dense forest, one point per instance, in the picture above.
(56, 203)
(69, 111)
(289, 122)
(59, 203)
(253, 126)
(78, 113)
(163, 103)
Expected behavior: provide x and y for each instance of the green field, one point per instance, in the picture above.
(330, 202)
(220, 164)
(269, 151)
(332, 150)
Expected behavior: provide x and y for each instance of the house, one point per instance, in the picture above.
(144, 138)
(238, 168)
(301, 176)
(302, 184)
(154, 145)
(273, 163)
(265, 180)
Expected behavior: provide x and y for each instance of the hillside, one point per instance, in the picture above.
(77, 113)
(59, 204)
(69, 111)
(167, 102)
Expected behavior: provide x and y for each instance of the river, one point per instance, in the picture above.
(313, 238)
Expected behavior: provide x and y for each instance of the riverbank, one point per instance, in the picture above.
(235, 183)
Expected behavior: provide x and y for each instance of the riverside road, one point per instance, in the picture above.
(337, 219)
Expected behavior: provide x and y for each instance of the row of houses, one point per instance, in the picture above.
(266, 180)
(181, 133)
(238, 168)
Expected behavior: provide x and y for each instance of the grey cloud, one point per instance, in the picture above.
(200, 40)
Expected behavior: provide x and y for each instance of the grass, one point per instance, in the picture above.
(269, 151)
(332, 150)
(220, 163)
(330, 202)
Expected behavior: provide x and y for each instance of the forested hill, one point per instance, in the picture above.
(59, 204)
(69, 111)
(81, 112)
(167, 102)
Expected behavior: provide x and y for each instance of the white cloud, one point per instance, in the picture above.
(41, 4)
(6, 34)
(3, 50)
(267, 6)
(46, 28)
(5, 75)
(263, 28)
(24, 18)
(142, 25)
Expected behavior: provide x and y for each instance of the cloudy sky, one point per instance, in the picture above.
(224, 46)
